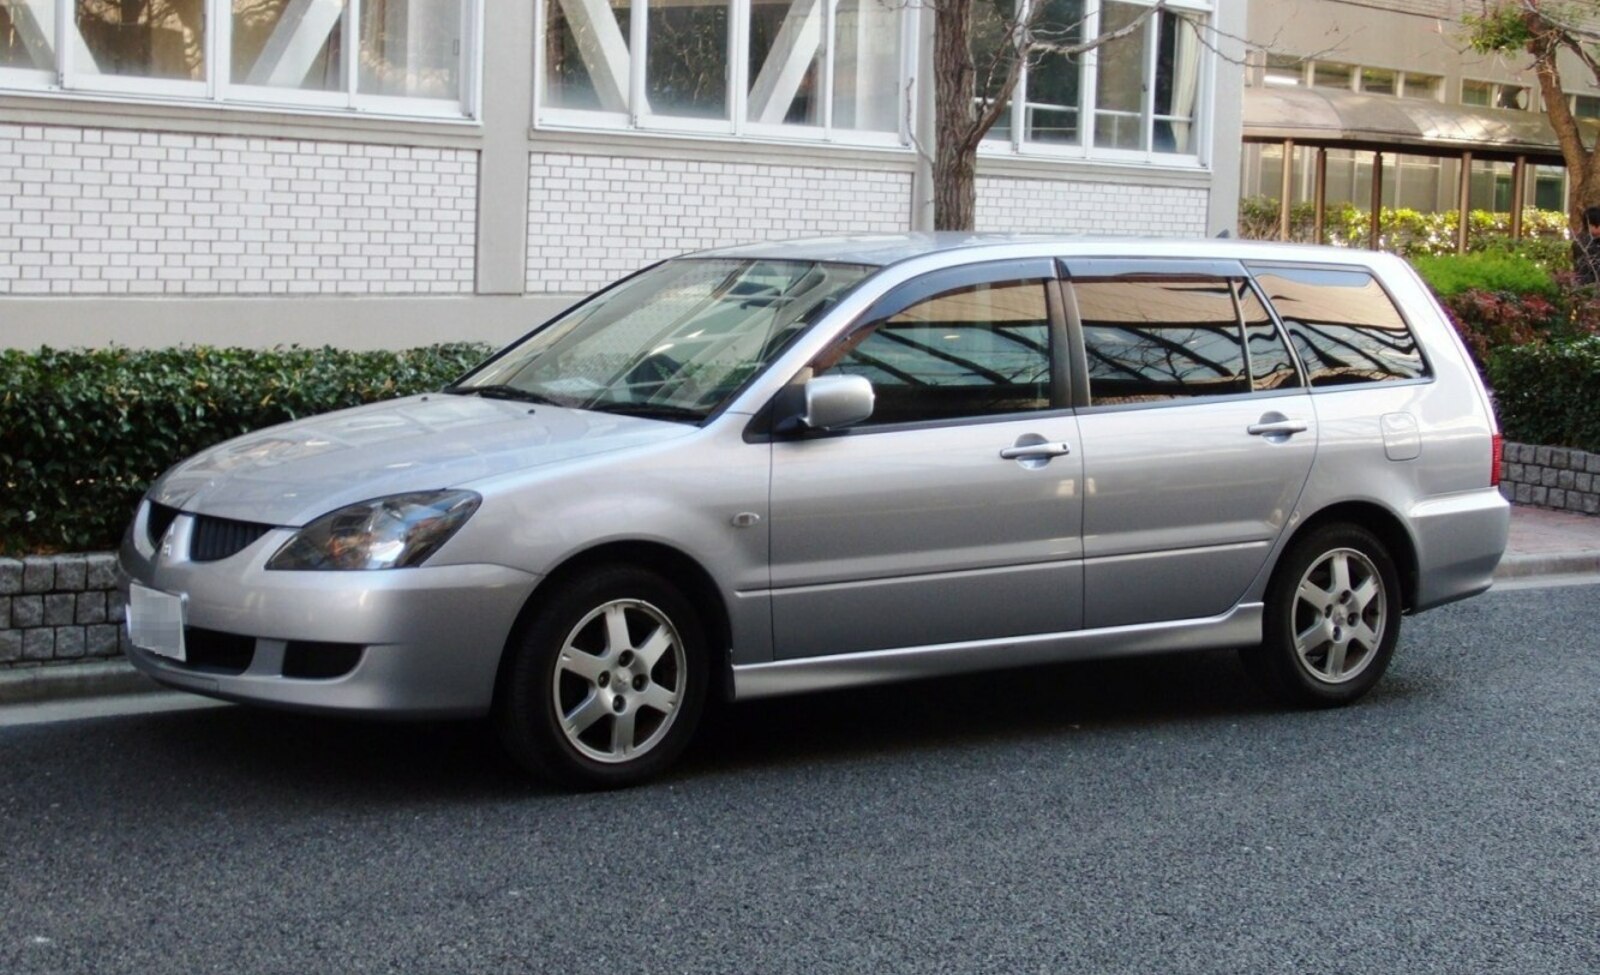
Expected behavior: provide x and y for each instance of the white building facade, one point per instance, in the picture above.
(380, 173)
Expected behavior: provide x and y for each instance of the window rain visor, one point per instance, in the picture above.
(674, 342)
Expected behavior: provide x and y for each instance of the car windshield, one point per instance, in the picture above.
(672, 343)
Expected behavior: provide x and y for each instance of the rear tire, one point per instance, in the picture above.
(605, 685)
(1331, 620)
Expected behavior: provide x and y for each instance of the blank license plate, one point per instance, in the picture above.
(155, 621)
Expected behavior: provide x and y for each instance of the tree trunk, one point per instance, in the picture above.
(1583, 165)
(954, 90)
(955, 191)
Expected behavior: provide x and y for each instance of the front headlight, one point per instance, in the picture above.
(385, 533)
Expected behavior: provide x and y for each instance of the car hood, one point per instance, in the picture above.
(296, 472)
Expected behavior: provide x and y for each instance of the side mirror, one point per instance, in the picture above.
(837, 401)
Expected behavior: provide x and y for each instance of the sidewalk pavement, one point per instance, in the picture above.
(1542, 544)
(1550, 543)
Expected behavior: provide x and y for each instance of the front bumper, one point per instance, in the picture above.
(430, 638)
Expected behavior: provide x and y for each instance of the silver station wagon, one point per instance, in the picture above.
(780, 468)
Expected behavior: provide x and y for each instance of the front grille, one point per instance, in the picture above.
(216, 652)
(218, 538)
(311, 660)
(157, 521)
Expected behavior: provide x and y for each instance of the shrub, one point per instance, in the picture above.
(1491, 320)
(1410, 233)
(84, 432)
(1549, 393)
(1451, 274)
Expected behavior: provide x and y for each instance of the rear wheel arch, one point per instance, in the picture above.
(1382, 523)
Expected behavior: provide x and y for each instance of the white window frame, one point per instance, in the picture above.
(218, 90)
(1496, 89)
(735, 123)
(1017, 144)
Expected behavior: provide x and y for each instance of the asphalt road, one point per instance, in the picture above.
(1153, 816)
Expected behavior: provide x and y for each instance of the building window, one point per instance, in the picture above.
(1283, 71)
(1494, 94)
(1331, 74)
(1414, 84)
(395, 57)
(1585, 106)
(836, 70)
(1379, 81)
(1141, 90)
(819, 69)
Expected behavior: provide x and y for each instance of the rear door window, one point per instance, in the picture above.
(1343, 324)
(1149, 340)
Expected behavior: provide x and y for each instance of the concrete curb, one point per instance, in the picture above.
(30, 685)
(1548, 564)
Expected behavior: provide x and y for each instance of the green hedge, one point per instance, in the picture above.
(1451, 274)
(84, 432)
(1549, 393)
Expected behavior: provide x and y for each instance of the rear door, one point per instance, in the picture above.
(1197, 436)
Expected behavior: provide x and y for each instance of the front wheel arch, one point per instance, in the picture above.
(688, 575)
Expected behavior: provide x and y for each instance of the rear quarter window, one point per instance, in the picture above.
(1344, 326)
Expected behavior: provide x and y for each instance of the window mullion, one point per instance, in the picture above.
(829, 16)
(738, 54)
(1018, 109)
(352, 53)
(219, 47)
(1152, 58)
(1089, 84)
(65, 21)
(638, 51)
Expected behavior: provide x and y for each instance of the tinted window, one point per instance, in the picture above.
(968, 352)
(1150, 340)
(1271, 366)
(1343, 325)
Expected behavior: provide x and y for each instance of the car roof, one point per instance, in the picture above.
(885, 249)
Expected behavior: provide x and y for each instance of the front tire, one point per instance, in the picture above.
(1332, 618)
(605, 685)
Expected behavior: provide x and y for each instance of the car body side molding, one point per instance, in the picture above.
(1240, 626)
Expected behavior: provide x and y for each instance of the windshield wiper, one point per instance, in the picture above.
(653, 411)
(501, 391)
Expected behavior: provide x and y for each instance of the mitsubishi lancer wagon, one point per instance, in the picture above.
(788, 467)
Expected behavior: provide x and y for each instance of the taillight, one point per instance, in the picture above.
(1497, 453)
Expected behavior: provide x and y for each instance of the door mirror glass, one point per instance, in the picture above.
(833, 402)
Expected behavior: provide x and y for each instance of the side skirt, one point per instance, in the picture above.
(1238, 627)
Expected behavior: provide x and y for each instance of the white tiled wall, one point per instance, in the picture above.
(1064, 206)
(101, 211)
(593, 218)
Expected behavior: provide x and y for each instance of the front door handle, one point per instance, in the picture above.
(1035, 451)
(1278, 428)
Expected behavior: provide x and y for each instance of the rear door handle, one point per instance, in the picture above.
(1035, 450)
(1280, 428)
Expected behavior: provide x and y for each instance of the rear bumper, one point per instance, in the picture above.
(1460, 540)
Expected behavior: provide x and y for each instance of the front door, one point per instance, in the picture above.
(953, 513)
